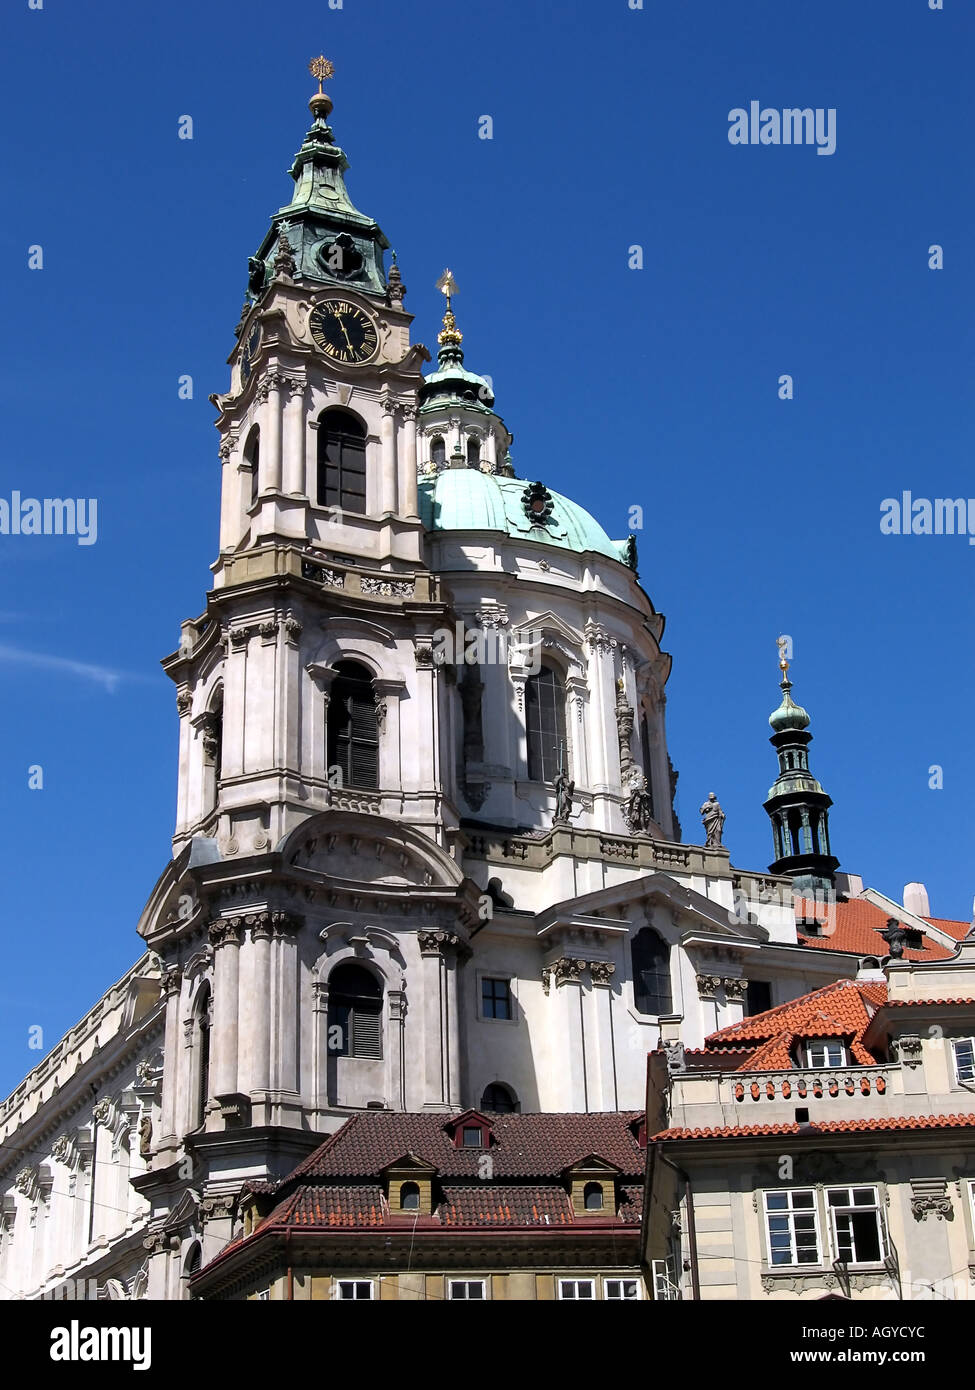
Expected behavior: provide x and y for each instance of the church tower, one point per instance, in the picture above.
(422, 751)
(797, 805)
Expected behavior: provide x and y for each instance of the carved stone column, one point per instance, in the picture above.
(225, 938)
(271, 434)
(408, 489)
(566, 1038)
(172, 980)
(600, 1041)
(396, 1080)
(440, 1027)
(284, 1075)
(387, 499)
(293, 444)
(260, 998)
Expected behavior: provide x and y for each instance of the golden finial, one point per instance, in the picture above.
(321, 69)
(450, 335)
(783, 645)
(321, 104)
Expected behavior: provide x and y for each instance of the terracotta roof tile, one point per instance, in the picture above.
(523, 1145)
(840, 1010)
(855, 925)
(890, 1122)
(925, 1003)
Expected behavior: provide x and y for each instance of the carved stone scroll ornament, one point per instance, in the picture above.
(734, 988)
(909, 1049)
(708, 985)
(567, 970)
(437, 943)
(24, 1181)
(602, 972)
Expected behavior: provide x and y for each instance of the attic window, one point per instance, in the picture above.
(825, 1052)
(592, 1196)
(409, 1197)
(473, 1137)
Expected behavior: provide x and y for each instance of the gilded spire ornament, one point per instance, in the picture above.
(321, 69)
(450, 335)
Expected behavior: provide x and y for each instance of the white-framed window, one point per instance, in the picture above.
(615, 1289)
(466, 1290)
(963, 1050)
(856, 1225)
(825, 1052)
(815, 1226)
(355, 1289)
(577, 1288)
(792, 1227)
(971, 1205)
(264, 1295)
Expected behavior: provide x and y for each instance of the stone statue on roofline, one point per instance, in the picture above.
(712, 817)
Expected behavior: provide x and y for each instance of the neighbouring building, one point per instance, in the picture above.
(825, 1147)
(464, 1207)
(426, 856)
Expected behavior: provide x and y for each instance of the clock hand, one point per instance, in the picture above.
(345, 331)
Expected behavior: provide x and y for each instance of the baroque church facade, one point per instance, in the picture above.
(426, 856)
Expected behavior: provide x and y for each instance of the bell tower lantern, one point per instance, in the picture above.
(318, 427)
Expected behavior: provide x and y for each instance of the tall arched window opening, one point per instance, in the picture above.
(650, 957)
(545, 725)
(252, 457)
(342, 461)
(355, 1006)
(353, 727)
(203, 1052)
(473, 451)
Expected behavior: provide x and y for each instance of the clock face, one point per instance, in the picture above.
(343, 331)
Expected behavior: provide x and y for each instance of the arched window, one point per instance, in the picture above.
(592, 1196)
(409, 1197)
(545, 725)
(647, 760)
(203, 1052)
(473, 451)
(353, 727)
(355, 1005)
(438, 451)
(651, 973)
(252, 457)
(499, 1099)
(341, 461)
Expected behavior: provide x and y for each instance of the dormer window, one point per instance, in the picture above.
(409, 1197)
(592, 1196)
(825, 1052)
(470, 1130)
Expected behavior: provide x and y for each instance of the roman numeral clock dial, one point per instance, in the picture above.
(343, 331)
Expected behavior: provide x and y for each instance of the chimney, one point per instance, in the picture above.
(916, 899)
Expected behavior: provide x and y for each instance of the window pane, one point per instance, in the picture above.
(545, 725)
(496, 998)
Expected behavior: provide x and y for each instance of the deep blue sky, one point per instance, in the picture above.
(655, 387)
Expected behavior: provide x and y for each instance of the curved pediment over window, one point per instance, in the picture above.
(356, 848)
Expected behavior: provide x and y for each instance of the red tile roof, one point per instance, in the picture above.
(337, 1186)
(522, 1145)
(855, 925)
(891, 1122)
(840, 1010)
(925, 1003)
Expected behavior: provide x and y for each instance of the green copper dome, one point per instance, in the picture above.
(465, 499)
(789, 715)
